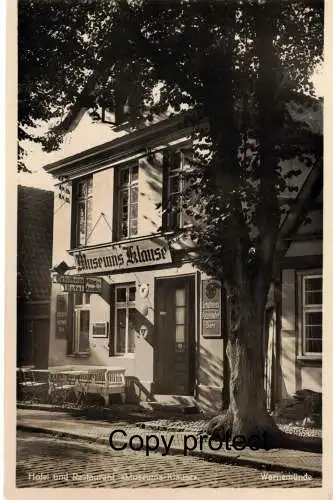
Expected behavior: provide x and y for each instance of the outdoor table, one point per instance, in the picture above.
(63, 382)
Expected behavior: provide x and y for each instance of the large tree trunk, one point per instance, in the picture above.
(246, 414)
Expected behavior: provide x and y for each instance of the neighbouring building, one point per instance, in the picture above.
(34, 259)
(123, 297)
(294, 340)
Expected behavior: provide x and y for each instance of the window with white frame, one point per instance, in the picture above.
(312, 314)
(128, 201)
(177, 165)
(82, 211)
(125, 322)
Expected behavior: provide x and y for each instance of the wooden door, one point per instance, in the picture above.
(175, 335)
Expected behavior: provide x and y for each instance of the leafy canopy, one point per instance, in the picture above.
(242, 71)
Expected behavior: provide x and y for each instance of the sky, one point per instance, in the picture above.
(86, 135)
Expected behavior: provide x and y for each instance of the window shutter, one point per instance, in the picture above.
(61, 316)
(73, 217)
(166, 159)
(69, 297)
(288, 300)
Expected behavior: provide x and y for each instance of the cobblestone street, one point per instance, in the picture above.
(44, 461)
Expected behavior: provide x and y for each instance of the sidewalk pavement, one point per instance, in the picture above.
(63, 424)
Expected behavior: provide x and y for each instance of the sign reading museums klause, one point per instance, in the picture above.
(142, 253)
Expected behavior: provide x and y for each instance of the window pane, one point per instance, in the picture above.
(134, 194)
(173, 219)
(81, 189)
(121, 331)
(124, 176)
(174, 184)
(313, 291)
(132, 292)
(180, 333)
(124, 230)
(84, 331)
(123, 199)
(87, 298)
(131, 329)
(173, 160)
(313, 331)
(89, 219)
(84, 321)
(121, 294)
(82, 223)
(187, 158)
(180, 315)
(134, 211)
(135, 173)
(89, 184)
(313, 345)
(78, 299)
(133, 227)
(180, 297)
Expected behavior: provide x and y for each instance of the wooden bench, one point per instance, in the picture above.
(102, 381)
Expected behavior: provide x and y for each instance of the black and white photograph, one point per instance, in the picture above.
(169, 280)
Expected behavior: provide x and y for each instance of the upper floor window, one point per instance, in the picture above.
(312, 314)
(176, 166)
(82, 213)
(128, 201)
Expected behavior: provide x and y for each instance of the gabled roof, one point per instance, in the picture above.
(34, 242)
(104, 155)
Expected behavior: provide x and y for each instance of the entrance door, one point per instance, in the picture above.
(175, 335)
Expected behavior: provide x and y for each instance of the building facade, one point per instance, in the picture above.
(123, 296)
(128, 298)
(302, 302)
(34, 259)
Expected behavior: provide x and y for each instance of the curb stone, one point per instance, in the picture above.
(258, 463)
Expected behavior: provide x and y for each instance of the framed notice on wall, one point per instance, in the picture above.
(211, 308)
(61, 316)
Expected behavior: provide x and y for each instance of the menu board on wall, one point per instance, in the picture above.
(61, 316)
(211, 308)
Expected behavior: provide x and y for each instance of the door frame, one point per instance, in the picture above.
(193, 339)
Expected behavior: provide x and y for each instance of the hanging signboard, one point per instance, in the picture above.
(117, 257)
(74, 283)
(211, 308)
(61, 316)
